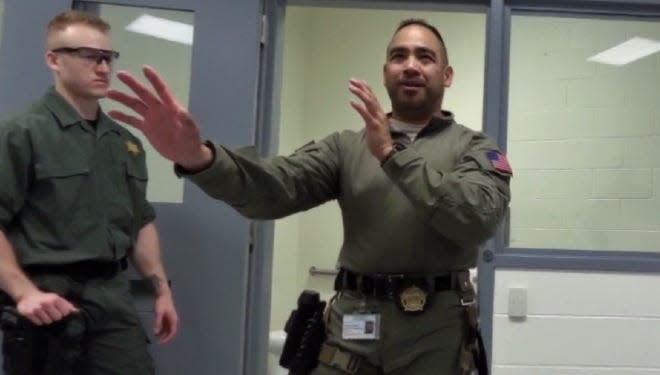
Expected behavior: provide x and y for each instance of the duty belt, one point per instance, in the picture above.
(387, 286)
(82, 270)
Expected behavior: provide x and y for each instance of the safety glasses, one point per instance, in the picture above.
(93, 55)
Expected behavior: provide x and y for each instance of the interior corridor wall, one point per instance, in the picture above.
(583, 140)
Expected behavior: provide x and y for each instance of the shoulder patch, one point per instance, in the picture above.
(499, 162)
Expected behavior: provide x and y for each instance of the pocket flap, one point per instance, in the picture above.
(136, 171)
(43, 170)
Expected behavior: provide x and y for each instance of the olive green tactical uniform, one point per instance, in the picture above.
(74, 193)
(425, 211)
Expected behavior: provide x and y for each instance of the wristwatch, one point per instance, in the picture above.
(396, 147)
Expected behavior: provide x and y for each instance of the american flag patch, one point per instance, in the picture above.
(500, 162)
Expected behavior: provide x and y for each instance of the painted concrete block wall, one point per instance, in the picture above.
(583, 137)
(286, 245)
(582, 140)
(586, 323)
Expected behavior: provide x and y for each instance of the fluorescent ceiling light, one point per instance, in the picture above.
(162, 28)
(627, 52)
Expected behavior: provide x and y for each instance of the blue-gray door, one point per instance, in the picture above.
(205, 243)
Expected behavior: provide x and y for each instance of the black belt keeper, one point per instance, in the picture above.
(387, 285)
(82, 270)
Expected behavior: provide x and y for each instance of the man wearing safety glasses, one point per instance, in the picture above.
(73, 213)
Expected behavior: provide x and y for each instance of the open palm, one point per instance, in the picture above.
(168, 126)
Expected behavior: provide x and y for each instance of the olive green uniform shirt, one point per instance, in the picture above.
(70, 191)
(425, 210)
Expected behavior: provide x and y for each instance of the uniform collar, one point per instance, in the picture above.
(106, 124)
(64, 112)
(437, 123)
(67, 115)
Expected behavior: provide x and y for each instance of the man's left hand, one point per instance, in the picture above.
(167, 319)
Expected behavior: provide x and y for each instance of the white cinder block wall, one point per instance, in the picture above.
(582, 142)
(577, 323)
(583, 137)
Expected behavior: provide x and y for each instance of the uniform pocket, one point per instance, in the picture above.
(137, 179)
(136, 171)
(61, 188)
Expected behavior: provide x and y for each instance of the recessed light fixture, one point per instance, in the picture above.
(627, 52)
(162, 28)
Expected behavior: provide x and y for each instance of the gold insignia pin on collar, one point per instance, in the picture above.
(132, 147)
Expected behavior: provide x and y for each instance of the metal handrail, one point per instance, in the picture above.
(314, 271)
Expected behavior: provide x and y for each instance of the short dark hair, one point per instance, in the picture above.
(428, 26)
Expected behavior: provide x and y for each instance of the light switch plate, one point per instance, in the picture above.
(518, 303)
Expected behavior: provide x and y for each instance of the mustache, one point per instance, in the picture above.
(413, 81)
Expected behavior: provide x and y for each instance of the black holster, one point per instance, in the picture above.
(28, 349)
(305, 331)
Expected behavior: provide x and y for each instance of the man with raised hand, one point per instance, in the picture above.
(418, 193)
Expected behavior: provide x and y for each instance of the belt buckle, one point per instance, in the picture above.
(392, 281)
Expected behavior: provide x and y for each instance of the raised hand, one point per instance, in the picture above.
(376, 122)
(168, 126)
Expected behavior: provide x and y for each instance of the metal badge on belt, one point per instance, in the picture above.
(412, 300)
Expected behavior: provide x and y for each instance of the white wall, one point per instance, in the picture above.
(583, 140)
(583, 137)
(285, 288)
(584, 323)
